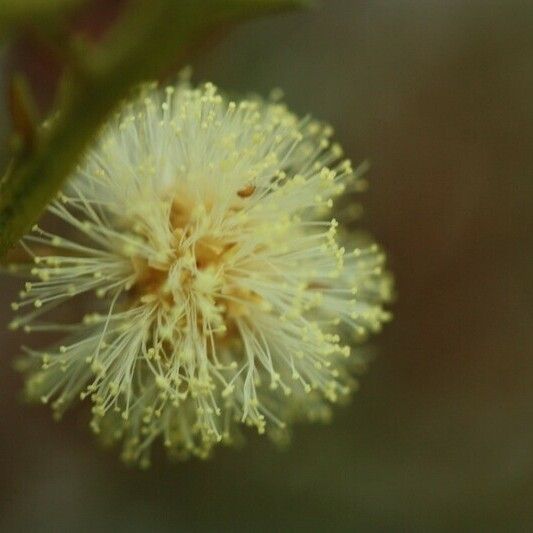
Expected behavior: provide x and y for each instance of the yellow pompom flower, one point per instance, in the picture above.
(214, 287)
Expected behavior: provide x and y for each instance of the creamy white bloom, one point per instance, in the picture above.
(215, 288)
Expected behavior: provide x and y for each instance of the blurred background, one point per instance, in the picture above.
(438, 95)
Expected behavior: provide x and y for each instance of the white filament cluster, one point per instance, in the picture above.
(214, 285)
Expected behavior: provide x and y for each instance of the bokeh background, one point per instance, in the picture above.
(438, 95)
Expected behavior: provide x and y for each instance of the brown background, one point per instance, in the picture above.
(438, 95)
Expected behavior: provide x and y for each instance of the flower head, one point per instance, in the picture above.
(215, 287)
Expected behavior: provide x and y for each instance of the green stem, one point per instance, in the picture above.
(155, 34)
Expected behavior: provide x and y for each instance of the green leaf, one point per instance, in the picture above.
(154, 35)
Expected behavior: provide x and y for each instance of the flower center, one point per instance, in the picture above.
(197, 275)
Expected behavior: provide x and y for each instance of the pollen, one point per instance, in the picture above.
(215, 288)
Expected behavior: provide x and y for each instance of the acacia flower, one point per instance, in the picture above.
(214, 287)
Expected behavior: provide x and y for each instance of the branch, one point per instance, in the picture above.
(155, 34)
